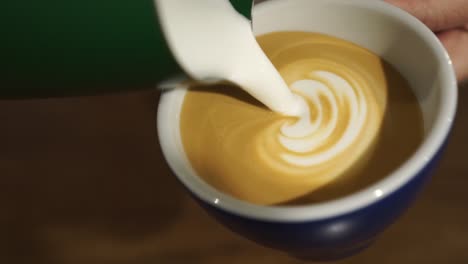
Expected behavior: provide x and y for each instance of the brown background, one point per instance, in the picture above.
(82, 180)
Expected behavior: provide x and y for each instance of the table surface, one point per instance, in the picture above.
(83, 181)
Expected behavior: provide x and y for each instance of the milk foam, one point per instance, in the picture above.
(304, 138)
(344, 105)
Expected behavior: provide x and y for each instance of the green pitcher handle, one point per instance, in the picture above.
(83, 47)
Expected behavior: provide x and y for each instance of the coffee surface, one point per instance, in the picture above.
(361, 122)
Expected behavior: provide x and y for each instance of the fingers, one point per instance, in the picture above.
(449, 18)
(438, 15)
(456, 43)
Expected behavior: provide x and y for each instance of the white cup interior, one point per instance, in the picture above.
(389, 32)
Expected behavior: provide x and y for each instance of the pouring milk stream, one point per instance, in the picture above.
(210, 40)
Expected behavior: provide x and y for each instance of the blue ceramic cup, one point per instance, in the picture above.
(342, 227)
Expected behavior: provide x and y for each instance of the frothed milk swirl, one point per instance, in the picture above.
(307, 135)
(240, 147)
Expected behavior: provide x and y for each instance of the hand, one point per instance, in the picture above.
(449, 20)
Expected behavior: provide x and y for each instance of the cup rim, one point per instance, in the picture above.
(352, 202)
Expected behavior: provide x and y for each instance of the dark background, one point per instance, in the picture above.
(82, 180)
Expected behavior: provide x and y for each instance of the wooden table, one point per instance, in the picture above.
(82, 181)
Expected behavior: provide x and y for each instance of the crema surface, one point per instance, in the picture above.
(242, 148)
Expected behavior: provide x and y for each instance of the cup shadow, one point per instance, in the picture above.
(83, 177)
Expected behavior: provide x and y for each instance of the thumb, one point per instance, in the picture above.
(438, 15)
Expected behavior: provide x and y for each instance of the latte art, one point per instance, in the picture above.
(335, 97)
(342, 117)
(240, 147)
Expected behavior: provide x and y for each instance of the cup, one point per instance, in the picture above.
(341, 227)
